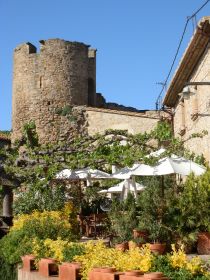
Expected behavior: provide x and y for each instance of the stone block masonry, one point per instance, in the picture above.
(47, 81)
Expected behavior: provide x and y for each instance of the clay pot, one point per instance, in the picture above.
(153, 275)
(122, 246)
(48, 267)
(133, 273)
(140, 233)
(132, 245)
(203, 245)
(28, 262)
(76, 265)
(157, 248)
(107, 269)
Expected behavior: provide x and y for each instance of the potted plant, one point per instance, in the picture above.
(122, 220)
(157, 237)
(136, 242)
(120, 243)
(140, 231)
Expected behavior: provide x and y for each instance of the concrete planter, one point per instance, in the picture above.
(154, 275)
(69, 271)
(28, 263)
(104, 273)
(48, 267)
(134, 273)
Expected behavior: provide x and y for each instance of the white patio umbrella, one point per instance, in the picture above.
(173, 164)
(82, 174)
(124, 187)
(178, 165)
(124, 173)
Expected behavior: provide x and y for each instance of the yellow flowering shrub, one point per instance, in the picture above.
(178, 259)
(20, 220)
(39, 226)
(49, 248)
(98, 255)
(60, 250)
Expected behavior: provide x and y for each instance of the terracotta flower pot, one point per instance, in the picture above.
(28, 262)
(48, 267)
(132, 245)
(69, 270)
(122, 246)
(153, 275)
(107, 269)
(157, 248)
(203, 245)
(134, 273)
(140, 233)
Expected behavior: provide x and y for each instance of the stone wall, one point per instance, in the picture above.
(100, 120)
(192, 112)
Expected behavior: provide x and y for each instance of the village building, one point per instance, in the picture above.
(189, 92)
(56, 89)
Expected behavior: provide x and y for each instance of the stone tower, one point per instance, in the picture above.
(62, 74)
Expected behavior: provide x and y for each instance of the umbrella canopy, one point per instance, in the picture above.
(119, 188)
(124, 173)
(87, 174)
(178, 165)
(79, 174)
(175, 164)
(168, 165)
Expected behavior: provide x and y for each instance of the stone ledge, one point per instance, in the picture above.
(149, 114)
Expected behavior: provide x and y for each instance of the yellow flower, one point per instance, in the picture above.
(179, 259)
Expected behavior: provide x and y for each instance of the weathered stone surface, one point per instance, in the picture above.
(100, 120)
(192, 112)
(48, 81)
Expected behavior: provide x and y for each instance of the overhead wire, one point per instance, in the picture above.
(193, 16)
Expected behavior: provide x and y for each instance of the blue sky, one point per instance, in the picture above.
(136, 41)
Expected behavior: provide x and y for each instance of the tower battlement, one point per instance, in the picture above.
(62, 73)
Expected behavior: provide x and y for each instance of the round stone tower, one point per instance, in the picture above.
(61, 75)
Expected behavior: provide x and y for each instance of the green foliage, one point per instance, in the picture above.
(182, 212)
(162, 264)
(157, 232)
(123, 218)
(194, 202)
(75, 249)
(64, 111)
(7, 271)
(40, 226)
(39, 196)
(30, 134)
(6, 132)
(163, 131)
(14, 245)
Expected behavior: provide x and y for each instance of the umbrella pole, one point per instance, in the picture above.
(162, 199)
(162, 187)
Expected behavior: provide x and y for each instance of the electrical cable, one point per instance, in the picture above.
(177, 51)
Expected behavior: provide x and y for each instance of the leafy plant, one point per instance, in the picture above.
(40, 195)
(123, 219)
(157, 233)
(48, 224)
(30, 134)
